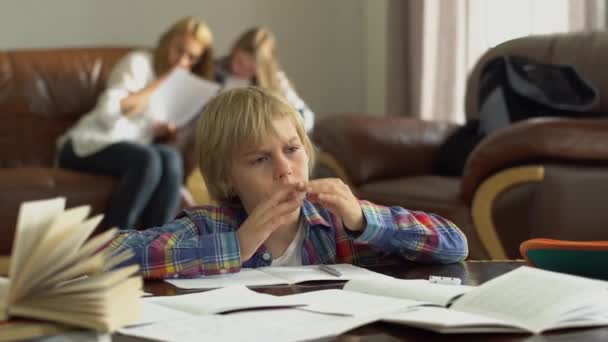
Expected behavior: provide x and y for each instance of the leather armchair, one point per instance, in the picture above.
(537, 178)
(42, 93)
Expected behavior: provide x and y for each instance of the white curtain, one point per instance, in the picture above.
(433, 44)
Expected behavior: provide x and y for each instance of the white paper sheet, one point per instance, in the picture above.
(181, 97)
(414, 289)
(277, 276)
(226, 299)
(340, 302)
(281, 325)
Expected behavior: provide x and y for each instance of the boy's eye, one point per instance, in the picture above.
(292, 149)
(259, 160)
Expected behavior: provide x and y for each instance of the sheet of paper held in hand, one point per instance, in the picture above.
(180, 98)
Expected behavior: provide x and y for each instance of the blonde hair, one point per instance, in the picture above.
(260, 43)
(201, 32)
(233, 120)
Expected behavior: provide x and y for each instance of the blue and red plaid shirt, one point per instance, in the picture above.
(203, 241)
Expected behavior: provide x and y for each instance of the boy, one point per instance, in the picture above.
(255, 157)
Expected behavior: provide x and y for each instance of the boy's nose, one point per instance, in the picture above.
(282, 169)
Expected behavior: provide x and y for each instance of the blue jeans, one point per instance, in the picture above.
(150, 179)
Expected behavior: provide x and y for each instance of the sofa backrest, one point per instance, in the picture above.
(586, 51)
(42, 93)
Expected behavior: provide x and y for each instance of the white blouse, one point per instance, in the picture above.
(106, 124)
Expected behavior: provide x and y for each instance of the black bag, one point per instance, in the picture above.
(513, 88)
(454, 150)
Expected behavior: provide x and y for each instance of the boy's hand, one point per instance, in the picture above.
(336, 196)
(267, 217)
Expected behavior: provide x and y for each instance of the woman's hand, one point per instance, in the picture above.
(136, 102)
(164, 130)
(337, 197)
(267, 217)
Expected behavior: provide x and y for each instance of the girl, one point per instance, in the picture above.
(253, 60)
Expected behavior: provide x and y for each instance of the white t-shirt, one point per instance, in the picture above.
(106, 124)
(293, 254)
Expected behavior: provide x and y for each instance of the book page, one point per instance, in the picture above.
(340, 302)
(246, 277)
(298, 274)
(533, 298)
(56, 242)
(60, 258)
(415, 289)
(180, 97)
(445, 320)
(262, 325)
(231, 298)
(33, 220)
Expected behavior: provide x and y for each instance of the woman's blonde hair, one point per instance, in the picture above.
(232, 121)
(201, 32)
(260, 43)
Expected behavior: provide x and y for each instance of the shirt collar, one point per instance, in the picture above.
(311, 215)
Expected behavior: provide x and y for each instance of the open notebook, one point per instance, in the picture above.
(264, 276)
(523, 300)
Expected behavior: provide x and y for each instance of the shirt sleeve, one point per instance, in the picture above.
(178, 249)
(294, 99)
(131, 74)
(413, 235)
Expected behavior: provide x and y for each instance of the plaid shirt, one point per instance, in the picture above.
(203, 241)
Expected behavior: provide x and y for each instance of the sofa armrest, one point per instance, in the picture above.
(379, 147)
(536, 141)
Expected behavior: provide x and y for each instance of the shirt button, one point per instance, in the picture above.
(266, 256)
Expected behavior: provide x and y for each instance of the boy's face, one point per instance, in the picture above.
(279, 161)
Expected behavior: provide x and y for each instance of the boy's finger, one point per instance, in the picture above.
(275, 217)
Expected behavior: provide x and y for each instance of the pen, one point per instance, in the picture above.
(330, 270)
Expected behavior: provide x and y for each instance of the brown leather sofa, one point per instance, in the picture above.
(42, 93)
(539, 178)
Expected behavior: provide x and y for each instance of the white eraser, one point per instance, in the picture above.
(444, 280)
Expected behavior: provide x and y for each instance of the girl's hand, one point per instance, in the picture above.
(336, 196)
(267, 217)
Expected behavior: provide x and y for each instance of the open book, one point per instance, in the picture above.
(180, 97)
(523, 300)
(287, 275)
(56, 275)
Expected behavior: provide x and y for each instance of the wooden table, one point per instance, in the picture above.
(472, 273)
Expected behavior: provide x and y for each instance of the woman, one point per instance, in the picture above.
(118, 138)
(253, 60)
